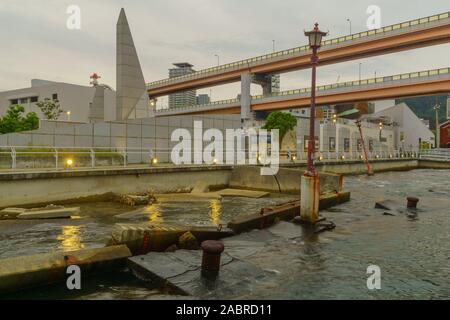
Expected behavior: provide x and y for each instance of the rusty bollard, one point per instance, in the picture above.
(412, 202)
(211, 258)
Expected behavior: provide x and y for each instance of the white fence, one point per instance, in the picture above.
(436, 154)
(29, 157)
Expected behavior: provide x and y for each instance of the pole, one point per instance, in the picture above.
(350, 22)
(312, 118)
(366, 158)
(360, 72)
(436, 108)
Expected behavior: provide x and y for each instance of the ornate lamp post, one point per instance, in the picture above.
(315, 41)
(310, 181)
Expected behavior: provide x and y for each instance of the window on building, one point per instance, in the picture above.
(55, 96)
(34, 99)
(24, 100)
(14, 101)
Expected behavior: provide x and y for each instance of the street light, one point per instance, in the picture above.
(350, 22)
(360, 64)
(68, 113)
(436, 110)
(218, 59)
(315, 41)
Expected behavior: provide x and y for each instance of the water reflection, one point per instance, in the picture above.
(215, 209)
(70, 238)
(154, 214)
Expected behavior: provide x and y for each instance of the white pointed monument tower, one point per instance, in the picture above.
(131, 97)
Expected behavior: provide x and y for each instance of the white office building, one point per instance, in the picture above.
(80, 103)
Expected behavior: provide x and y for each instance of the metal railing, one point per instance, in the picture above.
(305, 48)
(349, 84)
(64, 158)
(357, 83)
(436, 154)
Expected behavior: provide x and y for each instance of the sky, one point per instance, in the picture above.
(36, 42)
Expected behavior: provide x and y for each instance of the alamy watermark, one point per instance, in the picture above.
(374, 280)
(73, 281)
(239, 146)
(74, 17)
(374, 19)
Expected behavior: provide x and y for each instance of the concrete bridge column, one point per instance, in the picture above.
(246, 112)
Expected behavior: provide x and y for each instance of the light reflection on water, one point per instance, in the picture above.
(215, 210)
(70, 238)
(154, 214)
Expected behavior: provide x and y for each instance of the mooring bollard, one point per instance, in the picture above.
(412, 202)
(211, 258)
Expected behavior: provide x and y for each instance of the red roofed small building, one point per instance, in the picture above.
(444, 134)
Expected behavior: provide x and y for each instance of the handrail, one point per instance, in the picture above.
(359, 35)
(148, 155)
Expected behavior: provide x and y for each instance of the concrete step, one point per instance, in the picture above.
(145, 237)
(43, 269)
(286, 211)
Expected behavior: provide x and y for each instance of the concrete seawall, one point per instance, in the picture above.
(287, 180)
(25, 188)
(30, 188)
(349, 167)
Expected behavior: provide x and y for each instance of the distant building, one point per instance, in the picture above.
(80, 103)
(275, 83)
(448, 107)
(203, 99)
(185, 98)
(444, 134)
(74, 99)
(409, 130)
(426, 122)
(381, 105)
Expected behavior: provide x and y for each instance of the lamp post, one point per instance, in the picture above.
(310, 181)
(350, 22)
(315, 41)
(436, 110)
(218, 59)
(359, 69)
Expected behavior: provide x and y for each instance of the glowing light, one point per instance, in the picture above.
(69, 162)
(154, 161)
(70, 238)
(215, 210)
(320, 158)
(215, 161)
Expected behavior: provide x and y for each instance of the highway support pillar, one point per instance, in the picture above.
(309, 198)
(246, 112)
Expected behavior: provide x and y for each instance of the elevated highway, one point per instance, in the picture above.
(421, 83)
(408, 35)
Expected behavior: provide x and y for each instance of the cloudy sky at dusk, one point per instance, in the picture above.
(37, 44)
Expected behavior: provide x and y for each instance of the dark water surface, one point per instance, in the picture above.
(413, 251)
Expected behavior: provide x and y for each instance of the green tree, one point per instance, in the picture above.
(282, 121)
(50, 108)
(15, 121)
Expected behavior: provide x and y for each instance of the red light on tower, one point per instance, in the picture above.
(94, 78)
